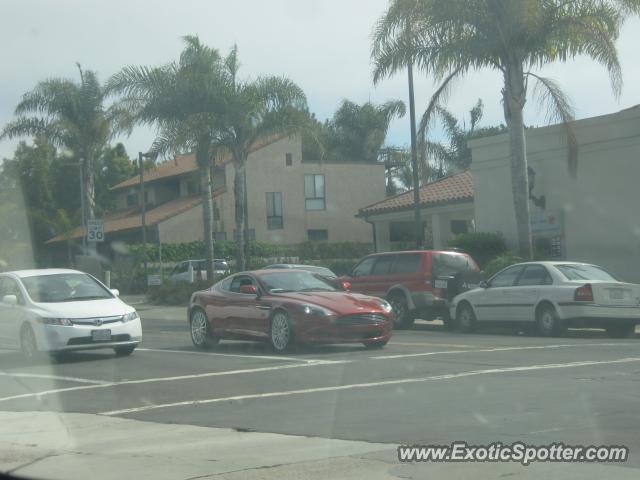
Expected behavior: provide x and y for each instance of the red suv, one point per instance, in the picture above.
(417, 283)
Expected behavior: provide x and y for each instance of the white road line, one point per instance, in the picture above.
(170, 379)
(449, 376)
(498, 349)
(214, 354)
(52, 377)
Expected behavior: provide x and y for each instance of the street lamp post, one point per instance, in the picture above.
(143, 203)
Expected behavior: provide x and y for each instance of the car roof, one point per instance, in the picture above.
(552, 263)
(420, 251)
(42, 271)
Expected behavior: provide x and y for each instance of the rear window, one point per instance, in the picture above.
(407, 263)
(448, 264)
(585, 272)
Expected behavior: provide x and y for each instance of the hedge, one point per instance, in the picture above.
(500, 262)
(483, 247)
(176, 252)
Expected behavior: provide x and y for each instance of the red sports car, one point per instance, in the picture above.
(285, 307)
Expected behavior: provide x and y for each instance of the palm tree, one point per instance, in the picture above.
(448, 38)
(267, 107)
(70, 115)
(183, 101)
(357, 132)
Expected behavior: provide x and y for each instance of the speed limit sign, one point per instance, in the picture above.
(95, 230)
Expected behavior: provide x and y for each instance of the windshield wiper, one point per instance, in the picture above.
(317, 289)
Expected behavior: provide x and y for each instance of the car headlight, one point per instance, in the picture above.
(130, 316)
(316, 310)
(386, 306)
(63, 322)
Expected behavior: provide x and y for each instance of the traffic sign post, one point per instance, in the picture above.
(95, 230)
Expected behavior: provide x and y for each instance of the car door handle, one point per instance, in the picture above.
(263, 307)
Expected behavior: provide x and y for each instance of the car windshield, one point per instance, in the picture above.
(294, 281)
(64, 287)
(585, 272)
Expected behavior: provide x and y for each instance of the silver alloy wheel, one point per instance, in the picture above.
(399, 310)
(464, 318)
(199, 328)
(28, 343)
(547, 321)
(280, 331)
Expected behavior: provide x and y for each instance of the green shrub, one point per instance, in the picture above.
(500, 262)
(483, 247)
(178, 293)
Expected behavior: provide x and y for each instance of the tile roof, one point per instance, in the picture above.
(131, 218)
(182, 164)
(452, 189)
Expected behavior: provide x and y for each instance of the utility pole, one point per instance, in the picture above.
(414, 163)
(144, 208)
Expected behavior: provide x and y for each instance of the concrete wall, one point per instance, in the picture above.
(598, 210)
(184, 227)
(348, 187)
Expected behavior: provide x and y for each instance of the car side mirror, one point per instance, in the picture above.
(115, 291)
(346, 286)
(10, 299)
(249, 289)
(483, 284)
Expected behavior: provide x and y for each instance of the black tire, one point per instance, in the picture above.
(404, 317)
(375, 345)
(465, 318)
(29, 345)
(281, 334)
(125, 350)
(621, 331)
(201, 331)
(548, 323)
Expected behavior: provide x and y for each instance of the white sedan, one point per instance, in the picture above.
(59, 310)
(553, 296)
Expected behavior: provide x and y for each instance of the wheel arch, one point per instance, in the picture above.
(466, 301)
(544, 302)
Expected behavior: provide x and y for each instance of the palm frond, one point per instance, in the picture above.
(558, 108)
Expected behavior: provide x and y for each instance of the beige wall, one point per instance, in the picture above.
(598, 209)
(184, 227)
(348, 187)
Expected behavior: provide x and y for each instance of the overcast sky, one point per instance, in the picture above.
(323, 45)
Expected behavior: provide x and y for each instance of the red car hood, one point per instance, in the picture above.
(343, 303)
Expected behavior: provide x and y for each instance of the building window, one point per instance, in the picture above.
(133, 199)
(220, 236)
(192, 187)
(314, 192)
(288, 159)
(216, 213)
(318, 235)
(249, 236)
(274, 211)
(459, 226)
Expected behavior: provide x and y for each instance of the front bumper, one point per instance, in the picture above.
(54, 338)
(337, 330)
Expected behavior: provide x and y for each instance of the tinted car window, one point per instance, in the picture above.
(407, 263)
(9, 286)
(383, 265)
(447, 264)
(506, 278)
(534, 275)
(239, 281)
(364, 267)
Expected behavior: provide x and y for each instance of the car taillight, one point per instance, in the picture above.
(583, 293)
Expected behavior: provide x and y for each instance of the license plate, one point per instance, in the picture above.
(616, 294)
(440, 284)
(101, 335)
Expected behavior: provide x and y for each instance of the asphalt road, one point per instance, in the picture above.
(427, 386)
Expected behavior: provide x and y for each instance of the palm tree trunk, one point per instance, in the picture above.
(514, 98)
(239, 185)
(207, 208)
(89, 193)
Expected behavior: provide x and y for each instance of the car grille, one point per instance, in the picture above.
(89, 340)
(362, 319)
(100, 320)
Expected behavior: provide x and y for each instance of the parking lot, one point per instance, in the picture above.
(427, 386)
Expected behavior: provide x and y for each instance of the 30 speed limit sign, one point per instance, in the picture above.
(95, 231)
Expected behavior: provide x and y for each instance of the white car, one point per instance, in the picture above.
(181, 272)
(553, 296)
(59, 310)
